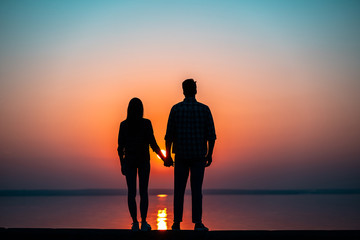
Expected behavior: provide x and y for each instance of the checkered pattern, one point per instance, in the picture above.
(190, 126)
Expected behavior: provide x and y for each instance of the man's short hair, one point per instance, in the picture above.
(189, 87)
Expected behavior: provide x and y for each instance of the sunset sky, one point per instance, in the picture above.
(282, 79)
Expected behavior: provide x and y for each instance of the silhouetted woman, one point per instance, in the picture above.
(135, 136)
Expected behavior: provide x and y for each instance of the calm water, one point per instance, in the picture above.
(221, 212)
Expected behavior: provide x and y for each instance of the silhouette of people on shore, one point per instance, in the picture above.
(191, 135)
(135, 136)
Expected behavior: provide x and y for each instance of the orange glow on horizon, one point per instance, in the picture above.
(285, 104)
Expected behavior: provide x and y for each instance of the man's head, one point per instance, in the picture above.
(189, 87)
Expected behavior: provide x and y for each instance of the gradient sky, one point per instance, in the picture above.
(282, 79)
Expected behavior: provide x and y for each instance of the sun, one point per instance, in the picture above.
(163, 152)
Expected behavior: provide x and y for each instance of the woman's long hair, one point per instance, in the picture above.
(135, 111)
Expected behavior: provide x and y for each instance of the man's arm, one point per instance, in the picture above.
(169, 138)
(208, 158)
(169, 161)
(211, 136)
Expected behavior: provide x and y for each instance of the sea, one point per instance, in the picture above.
(222, 209)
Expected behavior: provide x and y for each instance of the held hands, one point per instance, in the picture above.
(166, 157)
(168, 162)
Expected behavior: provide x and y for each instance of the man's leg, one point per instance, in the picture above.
(197, 170)
(181, 174)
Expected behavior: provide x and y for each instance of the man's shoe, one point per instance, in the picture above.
(200, 227)
(175, 226)
(145, 226)
(135, 227)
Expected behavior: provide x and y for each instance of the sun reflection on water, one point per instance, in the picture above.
(162, 195)
(161, 219)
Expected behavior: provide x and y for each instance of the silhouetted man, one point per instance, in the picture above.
(191, 133)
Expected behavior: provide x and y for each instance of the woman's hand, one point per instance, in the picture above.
(124, 169)
(162, 156)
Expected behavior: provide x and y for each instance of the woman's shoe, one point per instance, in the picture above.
(135, 227)
(176, 226)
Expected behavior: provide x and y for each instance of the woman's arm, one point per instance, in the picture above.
(121, 148)
(153, 144)
(155, 147)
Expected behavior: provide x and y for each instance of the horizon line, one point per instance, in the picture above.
(157, 191)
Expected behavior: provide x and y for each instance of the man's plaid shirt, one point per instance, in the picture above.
(189, 127)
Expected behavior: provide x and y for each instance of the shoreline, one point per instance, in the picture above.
(123, 192)
(94, 234)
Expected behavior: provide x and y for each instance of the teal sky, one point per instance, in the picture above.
(281, 78)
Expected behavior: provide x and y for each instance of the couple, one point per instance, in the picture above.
(191, 134)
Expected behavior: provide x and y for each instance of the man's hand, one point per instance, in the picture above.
(208, 157)
(208, 160)
(168, 162)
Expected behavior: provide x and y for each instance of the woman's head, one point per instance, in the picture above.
(135, 109)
